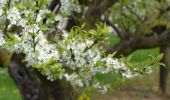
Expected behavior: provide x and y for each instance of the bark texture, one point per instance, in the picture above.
(164, 69)
(34, 86)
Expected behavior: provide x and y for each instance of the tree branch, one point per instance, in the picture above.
(119, 33)
(134, 13)
(138, 41)
(53, 5)
(95, 11)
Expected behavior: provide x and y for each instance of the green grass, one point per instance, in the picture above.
(8, 90)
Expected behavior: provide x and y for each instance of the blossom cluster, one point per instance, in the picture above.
(67, 6)
(76, 56)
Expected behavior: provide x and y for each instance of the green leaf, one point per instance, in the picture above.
(105, 29)
(92, 32)
(112, 55)
(41, 23)
(160, 56)
(100, 63)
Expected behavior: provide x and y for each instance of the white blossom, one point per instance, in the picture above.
(1, 12)
(62, 21)
(42, 13)
(2, 40)
(13, 15)
(67, 7)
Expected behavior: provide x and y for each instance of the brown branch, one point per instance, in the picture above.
(95, 42)
(163, 11)
(53, 5)
(134, 13)
(95, 11)
(119, 33)
(138, 41)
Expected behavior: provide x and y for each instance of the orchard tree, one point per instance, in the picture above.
(63, 43)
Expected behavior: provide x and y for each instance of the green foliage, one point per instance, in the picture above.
(50, 68)
(142, 59)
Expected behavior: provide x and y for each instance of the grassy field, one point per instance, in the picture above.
(8, 90)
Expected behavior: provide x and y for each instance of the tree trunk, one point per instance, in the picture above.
(164, 69)
(34, 86)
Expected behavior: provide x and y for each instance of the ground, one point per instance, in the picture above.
(144, 88)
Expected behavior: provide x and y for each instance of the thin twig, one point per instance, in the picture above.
(87, 48)
(119, 33)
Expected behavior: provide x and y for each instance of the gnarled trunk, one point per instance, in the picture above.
(164, 69)
(34, 86)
